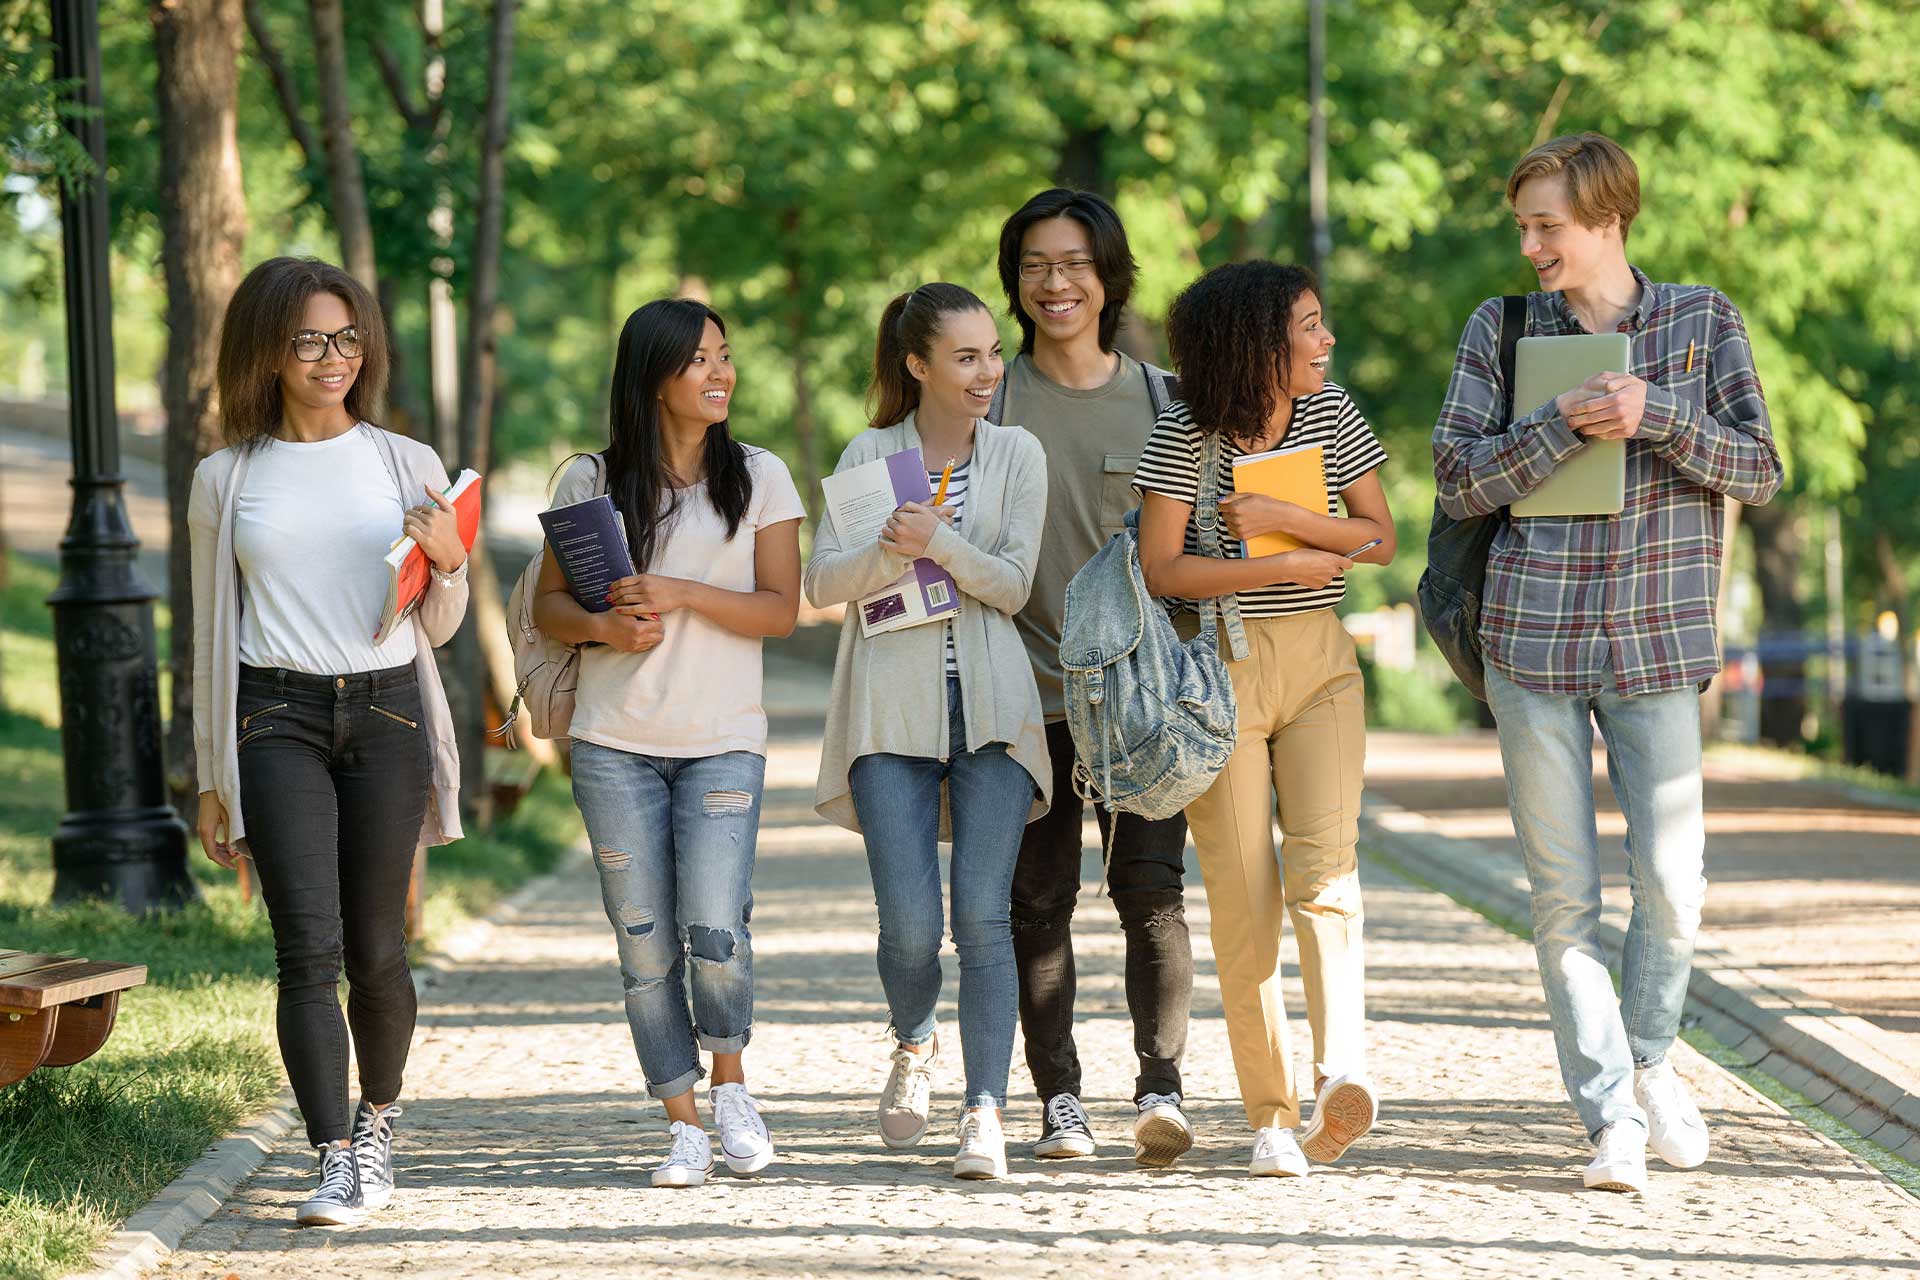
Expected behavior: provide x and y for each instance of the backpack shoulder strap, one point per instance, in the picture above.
(1163, 388)
(1513, 322)
(1206, 519)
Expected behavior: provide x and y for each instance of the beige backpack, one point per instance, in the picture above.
(546, 672)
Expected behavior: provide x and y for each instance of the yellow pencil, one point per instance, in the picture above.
(945, 476)
(1689, 357)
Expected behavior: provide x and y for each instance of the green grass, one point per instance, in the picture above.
(1798, 765)
(193, 1054)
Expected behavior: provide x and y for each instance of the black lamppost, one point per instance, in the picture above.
(120, 838)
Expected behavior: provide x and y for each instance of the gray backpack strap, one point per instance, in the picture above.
(999, 405)
(1206, 519)
(1163, 388)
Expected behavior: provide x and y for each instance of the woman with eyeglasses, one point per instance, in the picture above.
(325, 754)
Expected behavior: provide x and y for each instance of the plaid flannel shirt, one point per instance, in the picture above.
(1570, 597)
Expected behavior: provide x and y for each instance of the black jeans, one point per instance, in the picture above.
(334, 772)
(1144, 882)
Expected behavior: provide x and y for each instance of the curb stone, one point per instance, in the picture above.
(157, 1228)
(1766, 1021)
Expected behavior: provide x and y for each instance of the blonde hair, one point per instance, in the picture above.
(1602, 180)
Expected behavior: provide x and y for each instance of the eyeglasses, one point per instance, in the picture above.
(1070, 269)
(310, 345)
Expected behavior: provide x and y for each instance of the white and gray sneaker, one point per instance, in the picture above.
(338, 1201)
(690, 1159)
(1619, 1159)
(983, 1147)
(1342, 1115)
(1065, 1131)
(1161, 1133)
(1276, 1155)
(908, 1098)
(744, 1141)
(1675, 1129)
(373, 1151)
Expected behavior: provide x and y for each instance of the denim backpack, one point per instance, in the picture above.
(1153, 720)
(1456, 573)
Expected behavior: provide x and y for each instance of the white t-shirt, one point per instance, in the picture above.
(697, 693)
(312, 524)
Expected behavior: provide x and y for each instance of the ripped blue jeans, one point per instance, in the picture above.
(673, 840)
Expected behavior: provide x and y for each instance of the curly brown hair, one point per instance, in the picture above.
(262, 317)
(1229, 334)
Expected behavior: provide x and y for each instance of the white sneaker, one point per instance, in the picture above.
(1342, 1115)
(1277, 1155)
(744, 1140)
(983, 1147)
(690, 1160)
(907, 1100)
(1619, 1159)
(1675, 1129)
(1161, 1133)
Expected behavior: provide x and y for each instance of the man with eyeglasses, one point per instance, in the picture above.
(1068, 271)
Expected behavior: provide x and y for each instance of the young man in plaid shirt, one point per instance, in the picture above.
(1608, 619)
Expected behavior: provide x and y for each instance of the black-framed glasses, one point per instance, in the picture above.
(1070, 268)
(310, 345)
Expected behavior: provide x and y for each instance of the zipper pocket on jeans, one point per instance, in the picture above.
(394, 715)
(248, 718)
(245, 738)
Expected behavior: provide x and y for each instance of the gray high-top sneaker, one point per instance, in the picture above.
(337, 1202)
(373, 1151)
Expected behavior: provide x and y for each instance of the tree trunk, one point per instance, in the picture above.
(344, 182)
(800, 335)
(1779, 542)
(203, 216)
(473, 676)
(1082, 164)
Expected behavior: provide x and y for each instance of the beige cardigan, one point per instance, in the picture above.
(889, 693)
(217, 482)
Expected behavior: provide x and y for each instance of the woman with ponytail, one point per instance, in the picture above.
(669, 737)
(934, 732)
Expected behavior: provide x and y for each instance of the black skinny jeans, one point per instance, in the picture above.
(334, 772)
(1144, 882)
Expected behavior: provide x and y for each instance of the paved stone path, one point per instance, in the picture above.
(527, 1138)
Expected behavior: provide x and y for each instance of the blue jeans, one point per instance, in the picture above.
(898, 800)
(673, 840)
(1653, 760)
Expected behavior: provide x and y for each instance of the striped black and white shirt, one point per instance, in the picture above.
(1170, 466)
(957, 499)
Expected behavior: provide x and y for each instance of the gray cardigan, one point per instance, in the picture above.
(217, 482)
(889, 693)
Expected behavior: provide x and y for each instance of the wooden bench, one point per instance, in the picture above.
(57, 1010)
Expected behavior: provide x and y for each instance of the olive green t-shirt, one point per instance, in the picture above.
(1092, 440)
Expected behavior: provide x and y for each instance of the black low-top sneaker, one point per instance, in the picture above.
(338, 1201)
(1064, 1129)
(373, 1152)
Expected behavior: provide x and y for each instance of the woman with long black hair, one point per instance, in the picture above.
(935, 731)
(669, 736)
(325, 755)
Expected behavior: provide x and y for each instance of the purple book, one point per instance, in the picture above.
(861, 499)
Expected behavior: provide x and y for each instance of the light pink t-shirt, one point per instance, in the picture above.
(698, 692)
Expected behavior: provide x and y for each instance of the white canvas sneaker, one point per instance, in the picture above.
(690, 1160)
(1619, 1159)
(745, 1143)
(1277, 1155)
(983, 1147)
(1675, 1129)
(1342, 1115)
(907, 1100)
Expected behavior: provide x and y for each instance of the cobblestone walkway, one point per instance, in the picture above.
(527, 1136)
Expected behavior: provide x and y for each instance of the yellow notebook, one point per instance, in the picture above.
(1297, 475)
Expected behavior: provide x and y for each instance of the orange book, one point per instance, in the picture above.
(1296, 475)
(407, 563)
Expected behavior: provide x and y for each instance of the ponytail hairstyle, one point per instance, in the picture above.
(658, 342)
(909, 326)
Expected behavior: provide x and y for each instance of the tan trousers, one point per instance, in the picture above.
(1302, 743)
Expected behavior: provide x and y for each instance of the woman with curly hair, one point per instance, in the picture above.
(1252, 347)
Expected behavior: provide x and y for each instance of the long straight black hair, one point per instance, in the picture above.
(658, 343)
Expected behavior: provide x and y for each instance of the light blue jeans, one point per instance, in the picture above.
(673, 840)
(898, 800)
(1653, 760)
